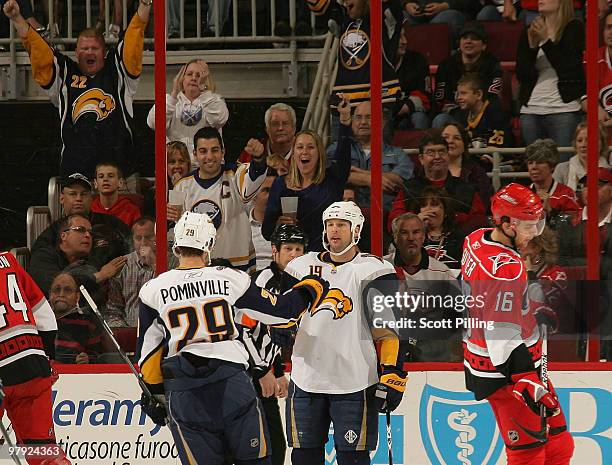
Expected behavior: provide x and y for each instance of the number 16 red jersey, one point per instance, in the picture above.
(503, 338)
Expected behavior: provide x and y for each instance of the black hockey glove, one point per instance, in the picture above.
(316, 287)
(390, 389)
(545, 315)
(155, 408)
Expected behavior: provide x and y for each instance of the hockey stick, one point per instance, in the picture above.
(389, 438)
(109, 331)
(7, 439)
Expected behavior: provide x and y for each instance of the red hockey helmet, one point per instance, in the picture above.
(520, 205)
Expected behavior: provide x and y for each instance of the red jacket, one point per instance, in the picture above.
(124, 209)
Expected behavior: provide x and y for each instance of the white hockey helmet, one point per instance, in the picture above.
(194, 230)
(348, 211)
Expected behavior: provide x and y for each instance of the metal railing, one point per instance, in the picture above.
(242, 12)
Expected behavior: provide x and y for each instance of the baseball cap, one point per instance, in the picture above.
(475, 28)
(76, 178)
(604, 176)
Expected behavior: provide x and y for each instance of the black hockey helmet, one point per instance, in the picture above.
(288, 233)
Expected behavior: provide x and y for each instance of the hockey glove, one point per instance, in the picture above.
(390, 389)
(316, 287)
(529, 389)
(155, 408)
(546, 316)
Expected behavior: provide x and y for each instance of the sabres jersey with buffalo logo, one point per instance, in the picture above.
(334, 352)
(355, 49)
(27, 325)
(96, 112)
(494, 275)
(223, 199)
(196, 310)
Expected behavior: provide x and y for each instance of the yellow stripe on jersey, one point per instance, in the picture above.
(41, 57)
(389, 347)
(263, 447)
(133, 43)
(318, 7)
(294, 430)
(190, 456)
(363, 435)
(150, 368)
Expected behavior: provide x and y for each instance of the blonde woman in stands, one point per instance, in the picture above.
(551, 74)
(191, 105)
(570, 172)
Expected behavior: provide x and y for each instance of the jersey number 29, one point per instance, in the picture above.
(213, 323)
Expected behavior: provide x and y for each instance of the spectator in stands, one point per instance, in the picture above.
(465, 166)
(353, 76)
(79, 337)
(111, 235)
(416, 268)
(396, 165)
(472, 57)
(492, 10)
(192, 105)
(443, 240)
(527, 10)
(559, 200)
(452, 12)
(72, 253)
(570, 172)
(114, 28)
(108, 182)
(484, 119)
(349, 194)
(550, 71)
(94, 95)
(465, 201)
(217, 16)
(263, 250)
(122, 304)
(414, 103)
(310, 180)
(28, 14)
(302, 19)
(604, 109)
(174, 18)
(178, 162)
(221, 191)
(280, 134)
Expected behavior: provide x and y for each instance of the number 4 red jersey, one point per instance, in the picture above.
(27, 325)
(503, 337)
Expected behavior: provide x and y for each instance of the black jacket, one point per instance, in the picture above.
(565, 57)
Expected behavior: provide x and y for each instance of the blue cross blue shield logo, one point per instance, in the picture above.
(458, 430)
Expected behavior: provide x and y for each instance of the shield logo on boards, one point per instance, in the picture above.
(456, 429)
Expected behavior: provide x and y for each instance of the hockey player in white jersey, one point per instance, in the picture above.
(335, 375)
(188, 349)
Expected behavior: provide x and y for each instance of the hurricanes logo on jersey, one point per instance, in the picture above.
(93, 101)
(337, 302)
(501, 260)
(355, 45)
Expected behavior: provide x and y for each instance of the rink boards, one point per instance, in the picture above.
(98, 418)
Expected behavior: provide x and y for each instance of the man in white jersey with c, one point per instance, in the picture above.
(336, 376)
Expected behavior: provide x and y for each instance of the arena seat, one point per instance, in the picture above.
(53, 198)
(22, 254)
(432, 40)
(38, 218)
(503, 38)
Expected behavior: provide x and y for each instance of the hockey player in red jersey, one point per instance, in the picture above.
(501, 359)
(27, 342)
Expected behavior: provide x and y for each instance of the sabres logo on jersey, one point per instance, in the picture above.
(211, 209)
(502, 259)
(93, 101)
(355, 48)
(335, 301)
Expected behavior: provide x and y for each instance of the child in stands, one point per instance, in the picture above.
(108, 181)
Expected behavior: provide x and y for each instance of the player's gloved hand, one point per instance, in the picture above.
(155, 408)
(283, 337)
(545, 315)
(54, 373)
(390, 389)
(316, 286)
(529, 389)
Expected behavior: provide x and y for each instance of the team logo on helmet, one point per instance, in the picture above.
(335, 301)
(508, 198)
(93, 101)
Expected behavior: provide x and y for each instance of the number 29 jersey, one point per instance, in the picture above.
(494, 275)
